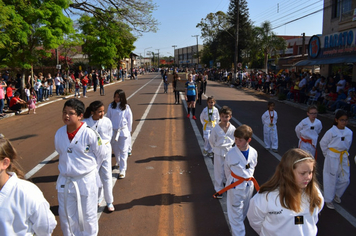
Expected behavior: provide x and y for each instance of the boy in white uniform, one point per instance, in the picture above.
(221, 140)
(308, 131)
(269, 121)
(209, 118)
(80, 153)
(240, 164)
(24, 210)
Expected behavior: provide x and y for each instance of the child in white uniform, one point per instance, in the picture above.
(209, 118)
(240, 164)
(335, 146)
(289, 202)
(120, 114)
(308, 131)
(269, 121)
(221, 140)
(24, 210)
(94, 117)
(80, 154)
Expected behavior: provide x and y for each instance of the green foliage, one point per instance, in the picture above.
(30, 28)
(105, 42)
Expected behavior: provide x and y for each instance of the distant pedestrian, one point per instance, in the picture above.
(165, 82)
(2, 96)
(270, 134)
(176, 78)
(77, 86)
(120, 114)
(191, 95)
(335, 146)
(16, 103)
(85, 82)
(102, 82)
(31, 104)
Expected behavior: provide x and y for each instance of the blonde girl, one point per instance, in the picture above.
(290, 197)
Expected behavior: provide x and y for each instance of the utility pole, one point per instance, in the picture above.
(197, 47)
(144, 54)
(303, 47)
(174, 53)
(158, 58)
(237, 40)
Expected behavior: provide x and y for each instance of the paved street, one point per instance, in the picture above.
(168, 188)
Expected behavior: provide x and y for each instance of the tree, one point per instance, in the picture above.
(35, 27)
(268, 41)
(212, 24)
(105, 42)
(137, 14)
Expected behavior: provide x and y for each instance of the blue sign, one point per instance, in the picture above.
(314, 46)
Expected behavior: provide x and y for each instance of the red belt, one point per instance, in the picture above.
(239, 181)
(311, 143)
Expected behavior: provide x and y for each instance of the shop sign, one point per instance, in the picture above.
(337, 44)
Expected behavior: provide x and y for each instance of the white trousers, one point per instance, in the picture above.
(105, 173)
(336, 177)
(238, 201)
(121, 149)
(207, 146)
(219, 172)
(90, 208)
(270, 136)
(307, 147)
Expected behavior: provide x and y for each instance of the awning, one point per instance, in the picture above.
(326, 61)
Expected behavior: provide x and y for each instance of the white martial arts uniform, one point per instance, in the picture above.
(221, 143)
(104, 128)
(270, 135)
(24, 210)
(238, 198)
(336, 172)
(209, 118)
(77, 181)
(267, 217)
(308, 134)
(122, 127)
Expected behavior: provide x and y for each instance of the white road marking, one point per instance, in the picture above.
(116, 172)
(40, 165)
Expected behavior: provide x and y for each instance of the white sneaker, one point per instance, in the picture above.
(330, 205)
(78, 96)
(122, 174)
(337, 199)
(205, 152)
(210, 154)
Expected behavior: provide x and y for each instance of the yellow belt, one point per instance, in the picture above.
(341, 155)
(207, 122)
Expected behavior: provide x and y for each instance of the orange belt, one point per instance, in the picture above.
(239, 181)
(311, 143)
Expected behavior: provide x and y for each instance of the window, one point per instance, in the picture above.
(335, 9)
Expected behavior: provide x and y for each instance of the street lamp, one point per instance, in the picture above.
(174, 53)
(144, 54)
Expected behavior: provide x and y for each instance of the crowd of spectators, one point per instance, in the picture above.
(331, 93)
(40, 87)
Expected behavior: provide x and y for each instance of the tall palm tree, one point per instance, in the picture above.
(268, 41)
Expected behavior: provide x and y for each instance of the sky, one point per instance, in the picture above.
(178, 20)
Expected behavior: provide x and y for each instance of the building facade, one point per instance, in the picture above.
(188, 56)
(335, 49)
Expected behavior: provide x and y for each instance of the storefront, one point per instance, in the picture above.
(335, 53)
